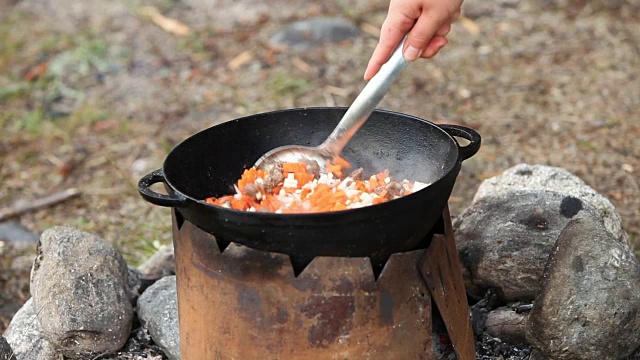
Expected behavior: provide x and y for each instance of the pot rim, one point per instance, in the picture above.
(265, 215)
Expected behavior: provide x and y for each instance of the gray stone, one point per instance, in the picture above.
(542, 177)
(5, 349)
(504, 240)
(589, 307)
(25, 338)
(79, 288)
(306, 34)
(158, 312)
(160, 264)
(474, 9)
(13, 231)
(507, 325)
(134, 284)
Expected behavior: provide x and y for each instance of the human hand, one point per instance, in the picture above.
(427, 23)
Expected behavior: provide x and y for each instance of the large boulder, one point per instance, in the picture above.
(589, 307)
(79, 285)
(542, 177)
(506, 235)
(504, 240)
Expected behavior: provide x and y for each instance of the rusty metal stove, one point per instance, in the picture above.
(239, 303)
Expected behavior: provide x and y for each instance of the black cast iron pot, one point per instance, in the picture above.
(211, 161)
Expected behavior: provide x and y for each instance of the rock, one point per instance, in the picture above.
(17, 238)
(477, 9)
(542, 177)
(79, 286)
(306, 34)
(597, 5)
(25, 338)
(536, 354)
(504, 240)
(589, 307)
(13, 231)
(140, 346)
(507, 325)
(5, 349)
(134, 284)
(160, 264)
(158, 313)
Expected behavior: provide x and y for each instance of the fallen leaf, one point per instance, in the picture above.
(469, 25)
(65, 169)
(448, 122)
(240, 60)
(370, 29)
(337, 91)
(104, 125)
(487, 175)
(270, 56)
(167, 24)
(302, 65)
(35, 72)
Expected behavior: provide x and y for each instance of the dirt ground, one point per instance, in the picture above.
(93, 95)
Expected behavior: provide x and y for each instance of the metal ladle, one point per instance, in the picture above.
(353, 119)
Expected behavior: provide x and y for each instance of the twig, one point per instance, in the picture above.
(17, 210)
(329, 99)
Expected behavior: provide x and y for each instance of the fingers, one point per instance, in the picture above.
(426, 23)
(437, 43)
(395, 26)
(422, 33)
(444, 29)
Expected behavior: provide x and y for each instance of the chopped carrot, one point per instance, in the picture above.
(341, 162)
(294, 167)
(308, 193)
(382, 175)
(303, 178)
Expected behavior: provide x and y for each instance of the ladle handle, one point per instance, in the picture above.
(366, 102)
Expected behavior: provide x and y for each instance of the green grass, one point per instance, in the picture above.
(284, 85)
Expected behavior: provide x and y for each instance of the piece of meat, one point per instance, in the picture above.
(252, 189)
(274, 177)
(313, 168)
(357, 174)
(394, 190)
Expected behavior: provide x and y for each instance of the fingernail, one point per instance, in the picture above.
(412, 53)
(366, 73)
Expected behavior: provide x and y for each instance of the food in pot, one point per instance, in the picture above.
(294, 188)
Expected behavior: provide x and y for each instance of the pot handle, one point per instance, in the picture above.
(155, 198)
(465, 133)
